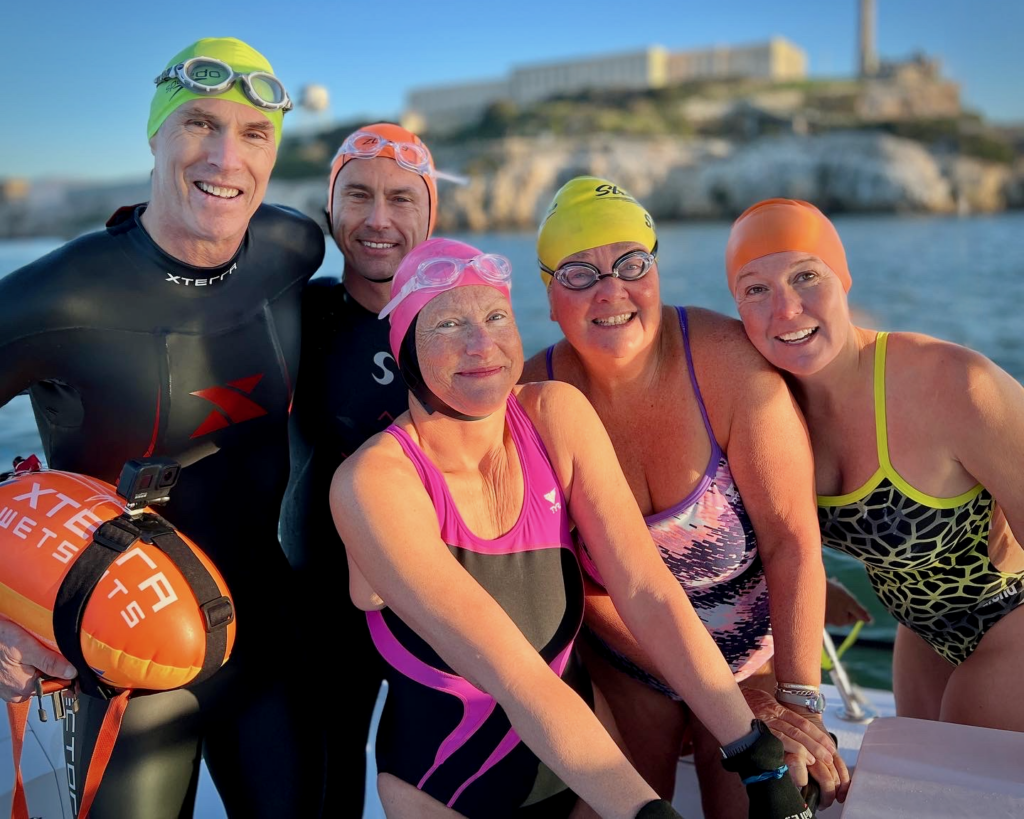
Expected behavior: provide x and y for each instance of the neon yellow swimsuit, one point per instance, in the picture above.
(927, 558)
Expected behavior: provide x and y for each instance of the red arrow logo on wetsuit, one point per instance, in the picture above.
(231, 402)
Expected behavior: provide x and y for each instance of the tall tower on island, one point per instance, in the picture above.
(868, 56)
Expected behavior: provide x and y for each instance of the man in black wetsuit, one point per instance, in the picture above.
(382, 202)
(175, 332)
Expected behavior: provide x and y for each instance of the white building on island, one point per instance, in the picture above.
(448, 107)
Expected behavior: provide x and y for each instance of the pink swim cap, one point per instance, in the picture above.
(402, 316)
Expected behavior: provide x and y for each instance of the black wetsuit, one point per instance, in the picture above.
(348, 390)
(128, 352)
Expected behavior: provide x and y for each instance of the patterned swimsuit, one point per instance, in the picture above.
(927, 558)
(708, 542)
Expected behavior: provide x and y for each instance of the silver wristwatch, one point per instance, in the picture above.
(810, 698)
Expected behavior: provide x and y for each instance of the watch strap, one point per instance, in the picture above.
(811, 699)
(745, 742)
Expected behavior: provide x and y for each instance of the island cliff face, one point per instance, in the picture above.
(511, 180)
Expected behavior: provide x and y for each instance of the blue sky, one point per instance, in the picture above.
(80, 74)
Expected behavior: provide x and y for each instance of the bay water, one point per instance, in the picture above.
(957, 278)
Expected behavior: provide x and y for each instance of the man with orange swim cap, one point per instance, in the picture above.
(381, 203)
(778, 225)
(174, 332)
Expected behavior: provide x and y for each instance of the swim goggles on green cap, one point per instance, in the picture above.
(580, 275)
(209, 76)
(409, 155)
(440, 273)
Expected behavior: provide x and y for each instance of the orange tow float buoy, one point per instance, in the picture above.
(113, 587)
(142, 626)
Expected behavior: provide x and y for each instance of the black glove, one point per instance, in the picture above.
(811, 794)
(759, 760)
(658, 809)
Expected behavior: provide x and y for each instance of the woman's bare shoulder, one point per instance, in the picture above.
(931, 367)
(536, 367)
(910, 350)
(729, 368)
(544, 400)
(379, 457)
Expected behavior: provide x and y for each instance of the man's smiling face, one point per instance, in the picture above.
(213, 160)
(381, 212)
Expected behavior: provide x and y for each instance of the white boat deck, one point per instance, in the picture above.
(43, 767)
(902, 769)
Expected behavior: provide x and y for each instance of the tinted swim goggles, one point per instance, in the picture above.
(442, 273)
(580, 275)
(209, 76)
(409, 155)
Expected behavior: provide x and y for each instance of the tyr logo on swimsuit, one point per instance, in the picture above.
(550, 497)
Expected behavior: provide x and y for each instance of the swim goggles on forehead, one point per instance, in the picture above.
(209, 76)
(409, 155)
(580, 275)
(437, 274)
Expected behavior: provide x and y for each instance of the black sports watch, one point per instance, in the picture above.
(757, 730)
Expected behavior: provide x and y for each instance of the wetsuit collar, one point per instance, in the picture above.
(179, 276)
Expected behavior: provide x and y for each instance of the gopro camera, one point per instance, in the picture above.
(145, 481)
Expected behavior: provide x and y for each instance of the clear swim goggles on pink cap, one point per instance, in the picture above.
(209, 76)
(441, 273)
(409, 155)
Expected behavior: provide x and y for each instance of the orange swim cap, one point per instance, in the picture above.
(392, 133)
(779, 225)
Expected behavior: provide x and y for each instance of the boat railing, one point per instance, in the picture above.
(855, 706)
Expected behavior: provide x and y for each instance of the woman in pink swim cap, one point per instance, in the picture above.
(457, 525)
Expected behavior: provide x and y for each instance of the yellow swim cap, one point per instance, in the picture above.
(242, 58)
(589, 212)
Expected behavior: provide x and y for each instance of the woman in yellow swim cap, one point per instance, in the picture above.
(720, 465)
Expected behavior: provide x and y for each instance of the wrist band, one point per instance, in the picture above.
(809, 698)
(797, 688)
(765, 776)
(745, 742)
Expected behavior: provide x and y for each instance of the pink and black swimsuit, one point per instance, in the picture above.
(439, 732)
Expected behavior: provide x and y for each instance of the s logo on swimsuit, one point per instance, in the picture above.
(201, 282)
(231, 403)
(551, 497)
(380, 359)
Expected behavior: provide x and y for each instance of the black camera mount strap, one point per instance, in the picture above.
(112, 539)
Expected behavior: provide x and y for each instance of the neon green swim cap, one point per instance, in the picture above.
(242, 58)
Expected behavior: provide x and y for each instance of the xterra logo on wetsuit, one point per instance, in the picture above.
(201, 282)
(233, 405)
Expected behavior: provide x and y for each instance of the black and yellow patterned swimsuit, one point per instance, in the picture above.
(927, 558)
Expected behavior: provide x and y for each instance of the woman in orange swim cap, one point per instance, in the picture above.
(917, 446)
